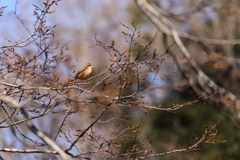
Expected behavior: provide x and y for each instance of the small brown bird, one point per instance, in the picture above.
(84, 72)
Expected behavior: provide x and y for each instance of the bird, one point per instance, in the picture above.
(84, 72)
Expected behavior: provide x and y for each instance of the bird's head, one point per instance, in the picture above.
(88, 65)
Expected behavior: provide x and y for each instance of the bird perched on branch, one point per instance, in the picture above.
(84, 72)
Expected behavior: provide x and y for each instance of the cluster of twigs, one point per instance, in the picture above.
(32, 91)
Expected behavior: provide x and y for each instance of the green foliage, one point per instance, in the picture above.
(184, 125)
(236, 50)
(136, 13)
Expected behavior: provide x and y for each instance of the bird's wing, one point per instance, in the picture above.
(80, 71)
